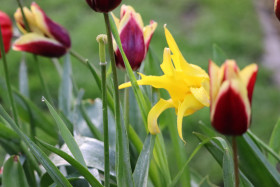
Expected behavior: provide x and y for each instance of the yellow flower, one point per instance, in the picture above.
(187, 84)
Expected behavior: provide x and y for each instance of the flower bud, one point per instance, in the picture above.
(134, 36)
(231, 93)
(6, 30)
(44, 37)
(103, 5)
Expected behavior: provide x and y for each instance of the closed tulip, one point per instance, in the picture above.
(134, 36)
(103, 5)
(6, 30)
(231, 93)
(45, 37)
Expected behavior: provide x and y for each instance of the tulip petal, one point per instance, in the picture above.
(231, 113)
(277, 8)
(148, 33)
(40, 45)
(49, 27)
(231, 70)
(132, 39)
(6, 30)
(186, 108)
(249, 76)
(129, 10)
(216, 74)
(154, 113)
(167, 65)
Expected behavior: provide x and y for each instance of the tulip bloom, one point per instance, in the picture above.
(103, 5)
(6, 30)
(187, 84)
(277, 8)
(134, 36)
(231, 93)
(45, 37)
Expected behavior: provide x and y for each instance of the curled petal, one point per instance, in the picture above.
(154, 113)
(148, 32)
(39, 45)
(49, 27)
(167, 65)
(231, 112)
(187, 107)
(201, 95)
(132, 42)
(249, 76)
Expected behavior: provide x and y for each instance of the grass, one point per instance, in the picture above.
(195, 25)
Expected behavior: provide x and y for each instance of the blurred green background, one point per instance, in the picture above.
(195, 24)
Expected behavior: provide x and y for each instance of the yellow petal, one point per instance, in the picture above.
(201, 95)
(247, 73)
(167, 65)
(40, 19)
(187, 107)
(155, 112)
(215, 74)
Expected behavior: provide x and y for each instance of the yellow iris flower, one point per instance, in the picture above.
(187, 84)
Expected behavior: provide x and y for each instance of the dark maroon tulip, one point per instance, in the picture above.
(103, 5)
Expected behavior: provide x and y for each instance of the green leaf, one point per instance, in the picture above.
(66, 88)
(82, 169)
(274, 142)
(141, 171)
(143, 103)
(254, 164)
(7, 133)
(13, 174)
(228, 169)
(23, 79)
(219, 56)
(66, 135)
(55, 174)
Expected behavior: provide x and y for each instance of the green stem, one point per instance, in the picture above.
(45, 88)
(6, 72)
(23, 16)
(235, 160)
(102, 55)
(126, 105)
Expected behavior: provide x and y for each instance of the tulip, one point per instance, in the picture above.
(135, 38)
(277, 8)
(231, 93)
(187, 84)
(103, 5)
(6, 30)
(45, 37)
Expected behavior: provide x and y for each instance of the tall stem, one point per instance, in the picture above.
(126, 105)
(6, 72)
(45, 88)
(235, 160)
(102, 55)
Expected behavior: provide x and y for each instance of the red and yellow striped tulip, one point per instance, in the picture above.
(6, 30)
(45, 37)
(103, 5)
(231, 93)
(134, 36)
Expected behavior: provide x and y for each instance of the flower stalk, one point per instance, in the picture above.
(102, 40)
(235, 160)
(6, 72)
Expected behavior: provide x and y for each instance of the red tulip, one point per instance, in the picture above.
(231, 93)
(134, 36)
(103, 5)
(46, 38)
(7, 30)
(277, 8)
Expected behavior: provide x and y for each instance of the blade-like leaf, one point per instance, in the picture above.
(66, 135)
(66, 88)
(13, 174)
(254, 164)
(140, 174)
(7, 133)
(55, 174)
(83, 170)
(228, 169)
(219, 55)
(274, 142)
